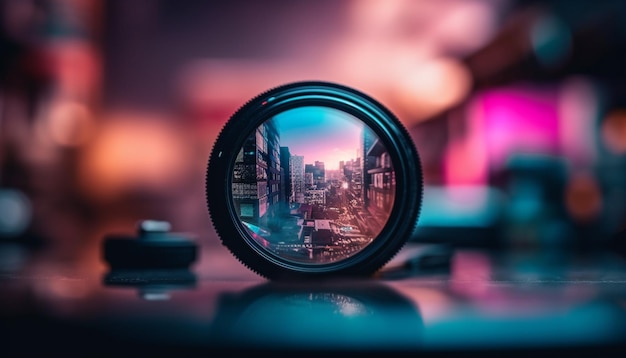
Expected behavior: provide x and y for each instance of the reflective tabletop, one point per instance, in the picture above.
(427, 300)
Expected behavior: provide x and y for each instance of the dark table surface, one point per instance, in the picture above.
(477, 304)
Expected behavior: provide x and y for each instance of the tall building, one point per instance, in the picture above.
(285, 173)
(296, 169)
(353, 172)
(308, 180)
(317, 172)
(272, 139)
(368, 161)
(379, 181)
(256, 175)
(319, 176)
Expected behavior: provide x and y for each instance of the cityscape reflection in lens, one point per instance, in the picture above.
(313, 185)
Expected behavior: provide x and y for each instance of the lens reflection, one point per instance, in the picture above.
(313, 185)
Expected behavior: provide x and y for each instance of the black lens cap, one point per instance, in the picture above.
(154, 247)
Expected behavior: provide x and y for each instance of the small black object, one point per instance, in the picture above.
(153, 247)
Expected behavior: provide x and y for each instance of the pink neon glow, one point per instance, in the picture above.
(501, 123)
(520, 121)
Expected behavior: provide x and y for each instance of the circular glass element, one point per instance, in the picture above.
(312, 179)
(313, 185)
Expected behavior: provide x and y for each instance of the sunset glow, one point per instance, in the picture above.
(320, 134)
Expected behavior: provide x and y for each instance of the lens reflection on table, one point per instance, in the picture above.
(321, 316)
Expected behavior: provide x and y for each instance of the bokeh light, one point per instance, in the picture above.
(614, 131)
(110, 105)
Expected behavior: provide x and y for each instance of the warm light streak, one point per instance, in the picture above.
(426, 89)
(613, 131)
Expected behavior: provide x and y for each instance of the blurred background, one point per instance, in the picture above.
(109, 109)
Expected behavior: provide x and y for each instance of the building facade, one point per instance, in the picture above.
(296, 169)
(285, 167)
(256, 175)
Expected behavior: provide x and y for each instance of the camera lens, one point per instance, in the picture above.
(312, 179)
